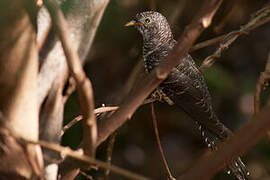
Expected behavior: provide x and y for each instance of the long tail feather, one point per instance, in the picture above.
(237, 167)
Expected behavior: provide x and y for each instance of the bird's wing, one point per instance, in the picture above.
(186, 87)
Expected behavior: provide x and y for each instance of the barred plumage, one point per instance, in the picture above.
(185, 85)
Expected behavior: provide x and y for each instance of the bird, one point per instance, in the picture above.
(185, 85)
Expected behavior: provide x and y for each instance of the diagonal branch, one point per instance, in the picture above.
(80, 117)
(83, 84)
(109, 152)
(132, 102)
(76, 155)
(103, 110)
(259, 18)
(82, 30)
(234, 147)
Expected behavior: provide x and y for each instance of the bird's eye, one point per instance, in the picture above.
(147, 20)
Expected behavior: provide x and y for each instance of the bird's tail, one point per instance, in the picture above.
(237, 167)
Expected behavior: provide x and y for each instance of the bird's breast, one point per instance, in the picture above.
(154, 57)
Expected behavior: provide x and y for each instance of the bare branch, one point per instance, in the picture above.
(109, 153)
(132, 102)
(235, 146)
(207, 43)
(138, 72)
(84, 86)
(80, 117)
(103, 110)
(86, 175)
(82, 28)
(259, 18)
(66, 151)
(165, 163)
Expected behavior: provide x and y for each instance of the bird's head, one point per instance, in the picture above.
(153, 26)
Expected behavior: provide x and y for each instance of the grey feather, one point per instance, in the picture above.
(185, 85)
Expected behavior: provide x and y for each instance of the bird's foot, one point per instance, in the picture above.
(160, 96)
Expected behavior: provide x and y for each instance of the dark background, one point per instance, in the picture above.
(231, 82)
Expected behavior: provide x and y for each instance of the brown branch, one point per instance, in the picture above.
(103, 110)
(132, 102)
(207, 43)
(109, 154)
(66, 151)
(70, 124)
(82, 30)
(235, 146)
(86, 175)
(259, 18)
(80, 117)
(69, 90)
(84, 86)
(138, 72)
(165, 163)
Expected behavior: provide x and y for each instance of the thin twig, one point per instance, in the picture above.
(70, 124)
(218, 39)
(259, 18)
(207, 43)
(69, 90)
(109, 154)
(86, 175)
(165, 163)
(66, 151)
(84, 86)
(80, 117)
(158, 74)
(82, 30)
(103, 110)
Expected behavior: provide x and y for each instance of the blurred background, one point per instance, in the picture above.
(231, 81)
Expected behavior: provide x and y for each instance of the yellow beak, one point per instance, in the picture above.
(133, 23)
